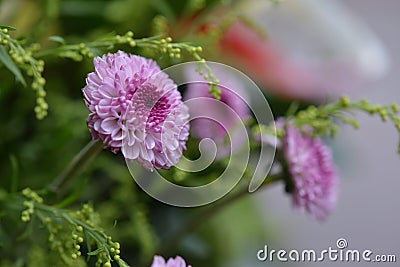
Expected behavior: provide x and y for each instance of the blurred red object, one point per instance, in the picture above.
(253, 54)
(308, 55)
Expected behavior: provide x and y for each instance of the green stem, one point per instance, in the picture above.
(77, 165)
(71, 47)
(15, 174)
(207, 213)
(95, 44)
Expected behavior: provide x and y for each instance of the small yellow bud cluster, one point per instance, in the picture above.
(29, 193)
(197, 49)
(87, 215)
(126, 39)
(394, 108)
(55, 230)
(4, 37)
(115, 249)
(77, 52)
(385, 112)
(214, 90)
(38, 86)
(174, 49)
(167, 48)
(319, 119)
(77, 239)
(34, 68)
(26, 214)
(29, 204)
(85, 51)
(204, 70)
(103, 258)
(344, 101)
(351, 122)
(323, 118)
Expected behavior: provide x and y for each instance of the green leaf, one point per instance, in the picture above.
(7, 27)
(28, 230)
(7, 61)
(88, 245)
(95, 252)
(57, 39)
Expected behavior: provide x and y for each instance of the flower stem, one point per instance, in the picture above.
(207, 213)
(78, 163)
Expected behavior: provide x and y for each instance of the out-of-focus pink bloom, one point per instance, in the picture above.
(136, 108)
(309, 161)
(221, 126)
(159, 261)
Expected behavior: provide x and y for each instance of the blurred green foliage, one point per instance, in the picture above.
(34, 152)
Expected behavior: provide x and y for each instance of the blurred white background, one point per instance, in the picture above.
(367, 215)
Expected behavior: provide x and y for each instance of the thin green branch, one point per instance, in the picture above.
(323, 119)
(68, 229)
(77, 165)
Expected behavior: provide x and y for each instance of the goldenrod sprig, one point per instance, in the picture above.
(158, 44)
(166, 46)
(68, 230)
(323, 119)
(30, 58)
(23, 59)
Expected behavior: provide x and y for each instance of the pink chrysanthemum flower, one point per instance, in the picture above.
(136, 108)
(159, 261)
(312, 172)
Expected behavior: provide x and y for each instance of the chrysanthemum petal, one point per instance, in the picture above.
(130, 99)
(312, 172)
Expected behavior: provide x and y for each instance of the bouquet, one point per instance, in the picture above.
(190, 99)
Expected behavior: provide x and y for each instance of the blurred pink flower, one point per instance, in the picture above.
(222, 120)
(312, 172)
(136, 108)
(159, 261)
